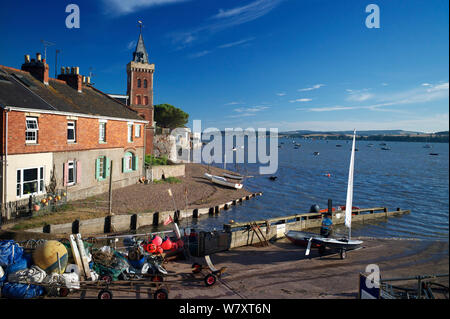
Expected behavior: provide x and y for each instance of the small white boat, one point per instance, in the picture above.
(223, 181)
(233, 176)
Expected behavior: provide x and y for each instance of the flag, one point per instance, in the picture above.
(168, 221)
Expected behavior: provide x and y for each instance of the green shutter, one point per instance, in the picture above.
(107, 166)
(135, 163)
(123, 164)
(97, 168)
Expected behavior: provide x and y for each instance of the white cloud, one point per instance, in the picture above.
(314, 87)
(252, 109)
(131, 45)
(226, 19)
(122, 7)
(233, 103)
(199, 54)
(281, 94)
(300, 100)
(233, 44)
(359, 95)
(384, 84)
(426, 84)
(417, 95)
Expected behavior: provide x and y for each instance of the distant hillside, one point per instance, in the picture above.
(373, 135)
(360, 133)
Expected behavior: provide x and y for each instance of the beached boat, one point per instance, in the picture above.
(233, 176)
(223, 181)
(301, 238)
(342, 244)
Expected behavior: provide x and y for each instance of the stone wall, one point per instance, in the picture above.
(157, 172)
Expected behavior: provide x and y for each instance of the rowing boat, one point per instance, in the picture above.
(223, 181)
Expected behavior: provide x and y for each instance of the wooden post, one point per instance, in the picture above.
(110, 187)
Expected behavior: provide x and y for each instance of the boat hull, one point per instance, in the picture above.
(302, 238)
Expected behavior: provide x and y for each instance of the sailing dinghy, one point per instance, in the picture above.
(342, 244)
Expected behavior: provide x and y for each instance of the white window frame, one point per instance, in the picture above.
(32, 129)
(129, 162)
(40, 180)
(71, 165)
(74, 128)
(137, 130)
(100, 125)
(130, 132)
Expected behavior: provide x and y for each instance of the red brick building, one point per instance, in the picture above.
(67, 128)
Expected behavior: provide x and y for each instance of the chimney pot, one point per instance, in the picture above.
(88, 79)
(63, 69)
(67, 70)
(76, 70)
(38, 56)
(27, 58)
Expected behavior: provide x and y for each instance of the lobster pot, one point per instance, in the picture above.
(45, 256)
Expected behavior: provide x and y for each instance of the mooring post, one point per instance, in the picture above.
(330, 206)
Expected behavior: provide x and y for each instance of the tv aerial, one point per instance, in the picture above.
(46, 44)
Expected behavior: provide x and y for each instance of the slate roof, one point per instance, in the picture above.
(20, 89)
(140, 53)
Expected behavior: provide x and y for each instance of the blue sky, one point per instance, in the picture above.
(289, 64)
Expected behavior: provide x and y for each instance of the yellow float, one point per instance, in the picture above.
(45, 256)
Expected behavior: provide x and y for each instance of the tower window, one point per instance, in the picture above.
(139, 83)
(138, 100)
(145, 83)
(145, 100)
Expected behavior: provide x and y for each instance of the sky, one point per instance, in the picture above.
(286, 64)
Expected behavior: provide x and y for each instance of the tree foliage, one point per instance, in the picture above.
(169, 116)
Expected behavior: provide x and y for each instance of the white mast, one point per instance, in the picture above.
(349, 202)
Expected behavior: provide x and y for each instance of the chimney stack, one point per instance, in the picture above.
(37, 68)
(72, 77)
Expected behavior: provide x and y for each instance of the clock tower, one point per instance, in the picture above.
(140, 89)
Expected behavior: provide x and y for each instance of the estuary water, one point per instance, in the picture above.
(406, 177)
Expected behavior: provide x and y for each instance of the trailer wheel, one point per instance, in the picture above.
(161, 294)
(105, 294)
(63, 292)
(343, 254)
(210, 280)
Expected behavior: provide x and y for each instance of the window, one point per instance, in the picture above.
(139, 83)
(102, 167)
(130, 133)
(71, 132)
(138, 100)
(31, 132)
(71, 175)
(145, 100)
(137, 131)
(145, 83)
(30, 181)
(130, 162)
(102, 132)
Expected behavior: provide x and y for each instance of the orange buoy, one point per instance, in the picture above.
(167, 244)
(157, 240)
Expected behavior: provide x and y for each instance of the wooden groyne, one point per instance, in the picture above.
(131, 222)
(274, 228)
